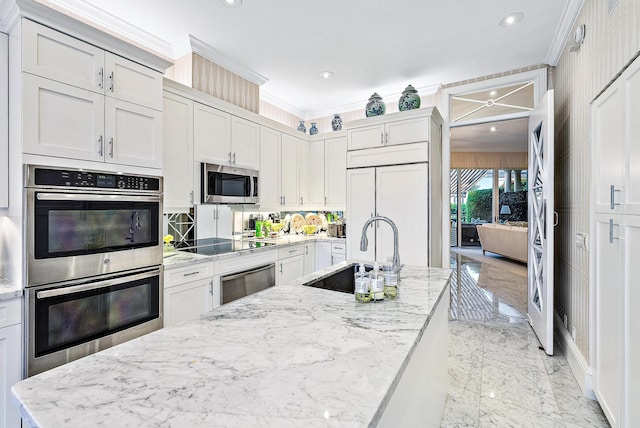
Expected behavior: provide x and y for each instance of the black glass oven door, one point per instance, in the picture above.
(64, 317)
(79, 224)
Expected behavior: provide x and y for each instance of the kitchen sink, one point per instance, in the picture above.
(342, 280)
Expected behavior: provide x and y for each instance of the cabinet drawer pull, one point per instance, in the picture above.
(280, 267)
(191, 273)
(293, 251)
(611, 238)
(101, 78)
(111, 147)
(613, 197)
(111, 82)
(338, 248)
(381, 138)
(101, 143)
(234, 158)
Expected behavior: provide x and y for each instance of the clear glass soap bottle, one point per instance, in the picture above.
(390, 280)
(377, 283)
(362, 286)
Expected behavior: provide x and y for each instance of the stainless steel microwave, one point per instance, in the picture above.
(222, 184)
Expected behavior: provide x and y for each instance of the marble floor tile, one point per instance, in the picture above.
(498, 374)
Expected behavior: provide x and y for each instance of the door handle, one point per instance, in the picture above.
(386, 138)
(101, 143)
(280, 267)
(556, 218)
(111, 147)
(613, 197)
(234, 158)
(301, 200)
(381, 138)
(611, 238)
(230, 157)
(306, 250)
(111, 82)
(325, 200)
(101, 78)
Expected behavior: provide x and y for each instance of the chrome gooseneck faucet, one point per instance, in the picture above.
(364, 242)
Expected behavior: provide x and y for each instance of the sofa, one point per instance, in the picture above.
(509, 241)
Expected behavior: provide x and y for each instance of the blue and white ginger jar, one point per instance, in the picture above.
(336, 122)
(314, 129)
(375, 106)
(409, 99)
(301, 127)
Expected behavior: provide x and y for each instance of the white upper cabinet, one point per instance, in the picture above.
(177, 165)
(289, 170)
(62, 120)
(134, 134)
(65, 110)
(224, 139)
(269, 186)
(316, 173)
(132, 82)
(245, 139)
(212, 134)
(335, 173)
(409, 130)
(56, 56)
(303, 173)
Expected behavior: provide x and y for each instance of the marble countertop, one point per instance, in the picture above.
(9, 290)
(287, 356)
(184, 258)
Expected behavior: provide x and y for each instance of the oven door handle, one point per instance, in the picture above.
(91, 197)
(63, 291)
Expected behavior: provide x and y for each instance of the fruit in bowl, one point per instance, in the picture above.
(276, 227)
(309, 229)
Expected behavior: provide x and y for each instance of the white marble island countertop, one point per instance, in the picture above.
(288, 356)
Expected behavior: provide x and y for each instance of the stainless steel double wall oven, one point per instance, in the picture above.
(94, 262)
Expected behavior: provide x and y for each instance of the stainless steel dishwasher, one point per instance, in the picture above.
(241, 284)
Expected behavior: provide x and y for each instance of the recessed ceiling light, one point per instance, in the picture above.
(232, 3)
(492, 129)
(493, 93)
(326, 74)
(511, 19)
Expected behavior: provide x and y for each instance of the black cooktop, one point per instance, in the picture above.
(215, 246)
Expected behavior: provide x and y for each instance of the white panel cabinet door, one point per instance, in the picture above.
(133, 134)
(609, 290)
(366, 137)
(407, 131)
(289, 171)
(402, 194)
(186, 302)
(269, 186)
(335, 173)
(11, 368)
(323, 255)
(304, 177)
(309, 257)
(608, 136)
(361, 205)
(177, 148)
(245, 151)
(631, 197)
(56, 56)
(4, 120)
(631, 248)
(316, 174)
(132, 82)
(211, 134)
(289, 269)
(62, 120)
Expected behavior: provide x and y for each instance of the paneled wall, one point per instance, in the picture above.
(612, 41)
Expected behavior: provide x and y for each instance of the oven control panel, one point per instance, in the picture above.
(94, 180)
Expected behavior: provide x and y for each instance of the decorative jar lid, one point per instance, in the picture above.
(409, 90)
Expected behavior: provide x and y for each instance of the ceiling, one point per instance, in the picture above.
(369, 45)
(508, 136)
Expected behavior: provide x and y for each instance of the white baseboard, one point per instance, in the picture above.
(578, 364)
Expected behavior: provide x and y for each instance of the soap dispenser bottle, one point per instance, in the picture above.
(362, 286)
(377, 283)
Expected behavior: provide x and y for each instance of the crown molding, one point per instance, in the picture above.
(283, 105)
(9, 15)
(199, 47)
(106, 20)
(569, 17)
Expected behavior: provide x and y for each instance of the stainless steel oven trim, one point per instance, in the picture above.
(33, 365)
(246, 272)
(66, 196)
(68, 288)
(47, 271)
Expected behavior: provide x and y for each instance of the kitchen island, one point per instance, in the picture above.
(290, 355)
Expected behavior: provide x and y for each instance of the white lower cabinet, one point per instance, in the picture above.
(309, 257)
(338, 252)
(323, 255)
(617, 365)
(290, 263)
(188, 292)
(10, 359)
